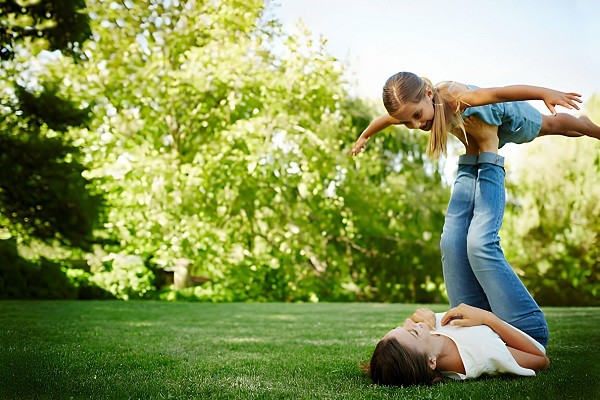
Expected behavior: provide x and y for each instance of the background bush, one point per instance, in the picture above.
(200, 134)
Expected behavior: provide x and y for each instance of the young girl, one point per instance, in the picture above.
(416, 103)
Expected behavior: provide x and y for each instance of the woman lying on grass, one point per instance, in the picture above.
(465, 342)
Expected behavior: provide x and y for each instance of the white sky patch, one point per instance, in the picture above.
(460, 40)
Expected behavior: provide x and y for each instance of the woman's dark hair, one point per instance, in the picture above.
(394, 365)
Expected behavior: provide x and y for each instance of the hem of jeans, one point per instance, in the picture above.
(490, 158)
(467, 159)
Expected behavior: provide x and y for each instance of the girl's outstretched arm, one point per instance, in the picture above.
(480, 97)
(377, 125)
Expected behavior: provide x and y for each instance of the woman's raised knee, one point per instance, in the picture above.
(478, 246)
(451, 242)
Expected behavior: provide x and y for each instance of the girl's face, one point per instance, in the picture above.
(417, 115)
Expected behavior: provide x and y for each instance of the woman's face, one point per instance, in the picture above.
(413, 335)
(417, 115)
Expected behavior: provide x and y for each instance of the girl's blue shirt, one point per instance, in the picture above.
(517, 121)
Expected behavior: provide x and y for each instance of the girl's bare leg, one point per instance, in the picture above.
(569, 125)
(485, 136)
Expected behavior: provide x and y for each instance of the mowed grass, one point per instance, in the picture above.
(158, 350)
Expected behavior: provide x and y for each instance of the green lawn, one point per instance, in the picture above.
(122, 350)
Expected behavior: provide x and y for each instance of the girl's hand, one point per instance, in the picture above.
(359, 146)
(424, 315)
(555, 98)
(465, 315)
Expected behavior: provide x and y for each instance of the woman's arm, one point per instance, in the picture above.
(528, 360)
(377, 125)
(480, 97)
(527, 354)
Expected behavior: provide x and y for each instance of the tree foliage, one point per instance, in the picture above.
(221, 143)
(62, 24)
(553, 221)
(43, 195)
(42, 191)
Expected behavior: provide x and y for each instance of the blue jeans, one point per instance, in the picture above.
(475, 269)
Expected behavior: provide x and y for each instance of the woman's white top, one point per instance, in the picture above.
(482, 351)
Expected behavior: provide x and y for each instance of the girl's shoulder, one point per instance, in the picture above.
(452, 87)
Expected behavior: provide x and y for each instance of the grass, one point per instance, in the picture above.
(158, 350)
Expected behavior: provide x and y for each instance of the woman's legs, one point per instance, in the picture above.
(507, 296)
(461, 284)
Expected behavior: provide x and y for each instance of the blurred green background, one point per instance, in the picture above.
(157, 149)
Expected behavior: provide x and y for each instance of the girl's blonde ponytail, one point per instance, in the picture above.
(445, 117)
(438, 137)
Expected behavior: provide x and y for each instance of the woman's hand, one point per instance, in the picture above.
(424, 315)
(465, 315)
(555, 98)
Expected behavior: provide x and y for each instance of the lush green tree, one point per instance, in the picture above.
(44, 199)
(61, 24)
(42, 192)
(222, 143)
(553, 219)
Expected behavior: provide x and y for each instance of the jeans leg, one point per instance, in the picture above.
(461, 284)
(507, 296)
